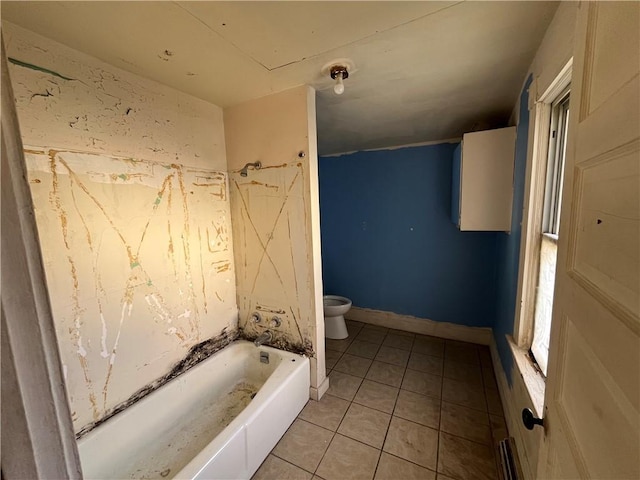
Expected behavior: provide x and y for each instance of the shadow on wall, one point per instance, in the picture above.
(508, 246)
(388, 242)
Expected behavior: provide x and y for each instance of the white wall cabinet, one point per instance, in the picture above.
(482, 191)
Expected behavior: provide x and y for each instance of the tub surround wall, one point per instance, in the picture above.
(197, 354)
(70, 100)
(275, 222)
(130, 191)
(388, 241)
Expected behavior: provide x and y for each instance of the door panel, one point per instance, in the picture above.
(592, 400)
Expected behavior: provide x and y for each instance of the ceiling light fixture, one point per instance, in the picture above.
(339, 73)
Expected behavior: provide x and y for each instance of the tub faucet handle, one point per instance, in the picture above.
(256, 317)
(275, 322)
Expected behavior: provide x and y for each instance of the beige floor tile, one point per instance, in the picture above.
(353, 365)
(363, 349)
(385, 373)
(404, 333)
(425, 363)
(413, 442)
(423, 383)
(461, 352)
(331, 357)
(276, 468)
(327, 412)
(465, 422)
(402, 342)
(498, 428)
(489, 379)
(394, 468)
(337, 345)
(462, 394)
(418, 408)
(485, 357)
(377, 328)
(376, 395)
(494, 404)
(428, 345)
(365, 425)
(353, 326)
(394, 356)
(347, 459)
(468, 373)
(440, 477)
(464, 459)
(303, 445)
(373, 336)
(343, 385)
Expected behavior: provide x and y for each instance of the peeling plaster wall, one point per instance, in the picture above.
(130, 190)
(90, 106)
(275, 218)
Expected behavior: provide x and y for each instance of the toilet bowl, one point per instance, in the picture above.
(335, 308)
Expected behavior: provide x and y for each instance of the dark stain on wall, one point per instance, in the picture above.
(197, 354)
(280, 342)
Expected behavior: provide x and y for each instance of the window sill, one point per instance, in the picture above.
(534, 381)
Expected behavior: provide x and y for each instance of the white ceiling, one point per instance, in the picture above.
(424, 71)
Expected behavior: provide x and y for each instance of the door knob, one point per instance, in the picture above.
(530, 420)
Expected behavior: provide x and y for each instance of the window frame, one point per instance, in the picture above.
(555, 163)
(552, 205)
(541, 110)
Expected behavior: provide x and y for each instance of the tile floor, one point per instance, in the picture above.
(400, 406)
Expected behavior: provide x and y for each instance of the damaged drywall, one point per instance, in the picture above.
(196, 354)
(269, 209)
(276, 225)
(70, 100)
(139, 267)
(131, 198)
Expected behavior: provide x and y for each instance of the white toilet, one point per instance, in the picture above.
(335, 308)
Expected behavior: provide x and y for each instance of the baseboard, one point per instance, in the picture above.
(422, 326)
(512, 407)
(317, 393)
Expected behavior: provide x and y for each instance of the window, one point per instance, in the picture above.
(550, 230)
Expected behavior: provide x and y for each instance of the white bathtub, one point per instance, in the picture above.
(197, 426)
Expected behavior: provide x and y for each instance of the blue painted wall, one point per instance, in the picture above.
(508, 245)
(388, 242)
(455, 185)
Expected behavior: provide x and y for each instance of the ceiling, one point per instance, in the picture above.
(423, 71)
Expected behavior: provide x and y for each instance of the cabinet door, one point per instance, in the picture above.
(487, 180)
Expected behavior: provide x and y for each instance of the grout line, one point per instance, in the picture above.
(343, 416)
(493, 447)
(440, 418)
(384, 440)
(284, 460)
(440, 399)
(413, 463)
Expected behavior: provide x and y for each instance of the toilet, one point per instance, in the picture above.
(335, 308)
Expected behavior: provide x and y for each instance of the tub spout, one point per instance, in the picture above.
(264, 337)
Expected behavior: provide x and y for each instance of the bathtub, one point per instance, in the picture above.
(219, 420)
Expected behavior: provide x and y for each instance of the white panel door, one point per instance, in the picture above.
(592, 400)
